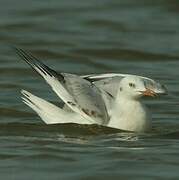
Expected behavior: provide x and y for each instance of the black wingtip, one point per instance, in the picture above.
(24, 55)
(34, 62)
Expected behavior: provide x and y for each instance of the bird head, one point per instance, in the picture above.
(135, 87)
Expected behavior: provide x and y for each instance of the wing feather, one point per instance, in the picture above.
(79, 94)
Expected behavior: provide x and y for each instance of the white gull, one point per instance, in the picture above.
(112, 100)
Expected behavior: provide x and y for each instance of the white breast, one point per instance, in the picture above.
(130, 115)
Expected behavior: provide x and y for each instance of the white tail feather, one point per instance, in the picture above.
(50, 113)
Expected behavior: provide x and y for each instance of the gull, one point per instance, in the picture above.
(112, 100)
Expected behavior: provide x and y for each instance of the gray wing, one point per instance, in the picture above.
(106, 82)
(87, 96)
(97, 77)
(79, 94)
(110, 85)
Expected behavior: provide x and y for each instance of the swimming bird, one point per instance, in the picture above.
(112, 100)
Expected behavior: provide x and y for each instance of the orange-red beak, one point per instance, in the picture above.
(149, 92)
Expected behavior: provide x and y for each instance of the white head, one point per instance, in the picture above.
(134, 87)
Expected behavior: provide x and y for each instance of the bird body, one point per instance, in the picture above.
(92, 98)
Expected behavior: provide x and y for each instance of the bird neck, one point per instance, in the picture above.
(129, 114)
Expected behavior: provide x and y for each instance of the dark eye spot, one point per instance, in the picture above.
(132, 85)
(120, 89)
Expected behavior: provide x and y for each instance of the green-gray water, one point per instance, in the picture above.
(137, 37)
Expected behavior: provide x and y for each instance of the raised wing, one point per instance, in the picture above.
(110, 85)
(107, 82)
(80, 95)
(97, 77)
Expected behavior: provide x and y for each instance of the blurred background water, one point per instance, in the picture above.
(137, 37)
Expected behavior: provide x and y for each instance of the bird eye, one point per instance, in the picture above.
(132, 85)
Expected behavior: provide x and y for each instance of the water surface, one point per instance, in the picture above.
(137, 37)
